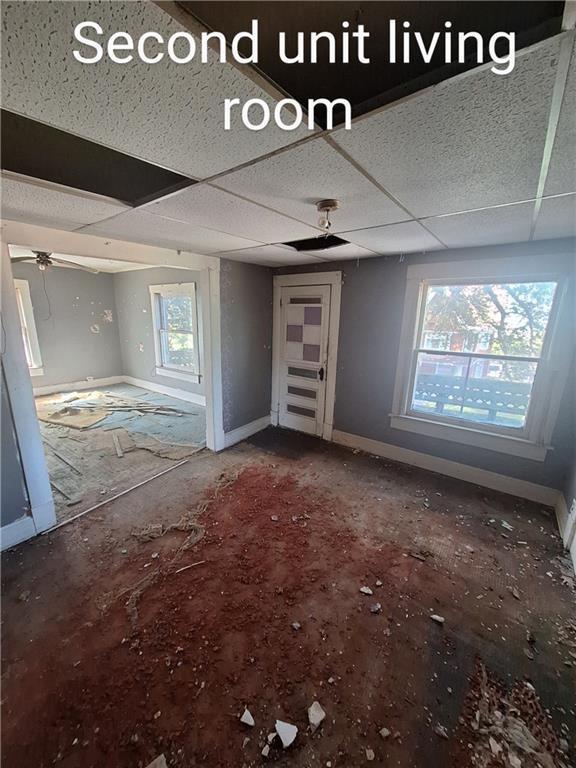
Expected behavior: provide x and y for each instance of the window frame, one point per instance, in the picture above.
(28, 326)
(157, 293)
(532, 441)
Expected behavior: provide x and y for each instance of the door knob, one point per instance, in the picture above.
(321, 374)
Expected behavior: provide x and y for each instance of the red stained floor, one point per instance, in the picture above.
(114, 657)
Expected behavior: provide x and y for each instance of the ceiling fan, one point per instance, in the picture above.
(44, 259)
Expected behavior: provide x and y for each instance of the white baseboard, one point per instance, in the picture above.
(72, 386)
(522, 488)
(17, 532)
(179, 394)
(246, 430)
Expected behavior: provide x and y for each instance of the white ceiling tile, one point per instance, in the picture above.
(141, 227)
(408, 237)
(269, 256)
(293, 181)
(465, 143)
(557, 218)
(348, 251)
(216, 209)
(169, 114)
(508, 224)
(49, 206)
(562, 170)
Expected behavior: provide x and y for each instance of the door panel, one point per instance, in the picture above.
(303, 357)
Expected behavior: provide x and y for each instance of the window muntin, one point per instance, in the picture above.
(176, 327)
(478, 346)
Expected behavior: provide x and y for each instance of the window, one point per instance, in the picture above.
(176, 341)
(478, 357)
(28, 327)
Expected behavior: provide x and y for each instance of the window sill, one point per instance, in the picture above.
(36, 371)
(513, 446)
(172, 373)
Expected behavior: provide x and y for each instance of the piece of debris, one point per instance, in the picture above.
(495, 748)
(274, 518)
(370, 754)
(376, 608)
(506, 525)
(158, 762)
(315, 715)
(441, 731)
(514, 592)
(247, 718)
(24, 596)
(384, 732)
(378, 583)
(157, 715)
(296, 625)
(192, 565)
(438, 619)
(366, 591)
(117, 446)
(265, 750)
(287, 732)
(331, 681)
(245, 742)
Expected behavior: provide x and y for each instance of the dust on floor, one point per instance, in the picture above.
(118, 652)
(100, 442)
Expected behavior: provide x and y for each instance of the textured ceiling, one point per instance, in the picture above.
(293, 181)
(52, 206)
(395, 238)
(467, 143)
(562, 171)
(165, 113)
(203, 205)
(141, 227)
(507, 224)
(473, 142)
(557, 218)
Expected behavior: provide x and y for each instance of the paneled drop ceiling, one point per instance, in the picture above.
(463, 163)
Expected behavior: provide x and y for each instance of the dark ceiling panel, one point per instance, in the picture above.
(37, 150)
(368, 86)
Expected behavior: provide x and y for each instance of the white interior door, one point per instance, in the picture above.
(305, 322)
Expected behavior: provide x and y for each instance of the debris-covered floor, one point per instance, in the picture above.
(431, 620)
(100, 442)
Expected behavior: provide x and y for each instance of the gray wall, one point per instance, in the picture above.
(136, 331)
(13, 498)
(246, 328)
(370, 323)
(74, 301)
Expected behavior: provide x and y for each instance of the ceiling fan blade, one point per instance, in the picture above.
(73, 264)
(23, 258)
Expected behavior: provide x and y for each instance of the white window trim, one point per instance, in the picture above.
(27, 315)
(177, 289)
(534, 442)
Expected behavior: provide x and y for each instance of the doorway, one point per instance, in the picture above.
(306, 323)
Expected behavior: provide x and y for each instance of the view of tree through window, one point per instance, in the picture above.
(479, 348)
(176, 333)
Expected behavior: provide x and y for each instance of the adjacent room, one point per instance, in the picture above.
(115, 354)
(288, 416)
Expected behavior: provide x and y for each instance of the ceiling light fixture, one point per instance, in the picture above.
(325, 208)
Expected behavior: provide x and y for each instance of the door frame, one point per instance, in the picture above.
(334, 280)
